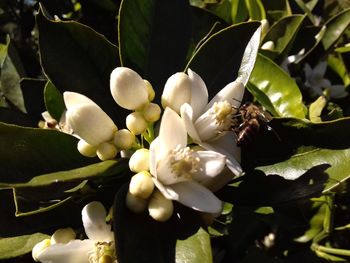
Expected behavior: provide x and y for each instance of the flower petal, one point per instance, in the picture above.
(172, 132)
(94, 220)
(76, 251)
(199, 93)
(153, 149)
(72, 99)
(187, 116)
(232, 92)
(337, 91)
(194, 195)
(211, 164)
(320, 68)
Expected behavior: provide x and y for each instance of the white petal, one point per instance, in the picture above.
(232, 92)
(187, 116)
(172, 132)
(337, 91)
(199, 93)
(320, 68)
(211, 164)
(72, 99)
(91, 123)
(216, 183)
(94, 220)
(76, 251)
(153, 150)
(196, 196)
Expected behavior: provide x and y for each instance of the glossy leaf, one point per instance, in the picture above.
(152, 39)
(12, 116)
(335, 27)
(239, 12)
(33, 94)
(255, 9)
(316, 109)
(91, 60)
(282, 34)
(279, 87)
(338, 65)
(225, 61)
(28, 152)
(54, 101)
(12, 247)
(195, 249)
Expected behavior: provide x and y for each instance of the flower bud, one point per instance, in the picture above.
(152, 112)
(105, 259)
(128, 88)
(136, 123)
(106, 151)
(139, 161)
(269, 45)
(63, 236)
(39, 248)
(135, 204)
(86, 149)
(87, 119)
(150, 90)
(141, 185)
(160, 208)
(264, 26)
(177, 91)
(124, 139)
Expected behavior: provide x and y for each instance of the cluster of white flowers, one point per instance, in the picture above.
(188, 158)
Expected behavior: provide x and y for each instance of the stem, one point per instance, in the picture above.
(334, 251)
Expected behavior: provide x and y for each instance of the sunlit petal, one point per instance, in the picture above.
(187, 116)
(211, 164)
(72, 99)
(199, 93)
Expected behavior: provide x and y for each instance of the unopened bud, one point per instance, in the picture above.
(136, 123)
(264, 26)
(63, 236)
(139, 161)
(160, 208)
(106, 151)
(39, 248)
(124, 139)
(106, 259)
(269, 45)
(150, 90)
(136, 204)
(86, 149)
(152, 112)
(128, 88)
(141, 185)
(177, 91)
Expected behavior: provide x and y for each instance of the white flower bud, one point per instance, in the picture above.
(39, 248)
(87, 119)
(106, 151)
(136, 204)
(152, 112)
(139, 161)
(177, 91)
(86, 149)
(128, 88)
(141, 185)
(150, 90)
(269, 45)
(136, 123)
(160, 208)
(124, 139)
(63, 236)
(264, 26)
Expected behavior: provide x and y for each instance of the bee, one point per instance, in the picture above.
(253, 118)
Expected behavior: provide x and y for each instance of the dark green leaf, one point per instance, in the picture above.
(12, 247)
(337, 64)
(54, 101)
(152, 39)
(12, 116)
(91, 61)
(335, 27)
(225, 54)
(279, 87)
(33, 94)
(256, 9)
(28, 152)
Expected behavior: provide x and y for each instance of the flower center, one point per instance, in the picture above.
(223, 111)
(184, 162)
(102, 252)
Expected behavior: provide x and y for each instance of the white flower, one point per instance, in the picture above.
(317, 83)
(209, 124)
(128, 89)
(100, 240)
(87, 119)
(179, 172)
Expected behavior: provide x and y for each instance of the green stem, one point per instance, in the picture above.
(330, 250)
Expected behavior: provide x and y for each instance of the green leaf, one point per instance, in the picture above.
(256, 9)
(91, 60)
(335, 27)
(54, 101)
(316, 109)
(9, 80)
(343, 49)
(33, 94)
(195, 249)
(239, 12)
(12, 247)
(337, 64)
(279, 87)
(282, 34)
(225, 51)
(28, 152)
(152, 39)
(12, 116)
